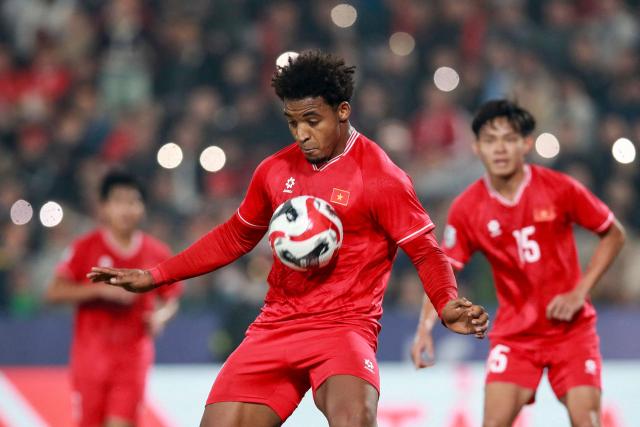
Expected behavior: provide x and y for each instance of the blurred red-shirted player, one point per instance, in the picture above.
(113, 333)
(521, 218)
(317, 329)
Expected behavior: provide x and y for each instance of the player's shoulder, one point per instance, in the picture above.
(556, 181)
(88, 239)
(475, 193)
(286, 154)
(375, 160)
(155, 245)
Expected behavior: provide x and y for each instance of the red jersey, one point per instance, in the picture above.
(379, 210)
(103, 328)
(530, 245)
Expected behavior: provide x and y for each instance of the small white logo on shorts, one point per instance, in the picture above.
(368, 365)
(590, 366)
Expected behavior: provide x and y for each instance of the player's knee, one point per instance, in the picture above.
(496, 421)
(589, 418)
(353, 414)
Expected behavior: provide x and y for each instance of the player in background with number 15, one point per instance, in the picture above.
(521, 218)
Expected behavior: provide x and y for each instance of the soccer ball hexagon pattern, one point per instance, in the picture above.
(305, 233)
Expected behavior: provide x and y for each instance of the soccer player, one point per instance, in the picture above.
(113, 335)
(521, 217)
(317, 329)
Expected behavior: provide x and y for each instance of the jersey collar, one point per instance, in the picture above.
(125, 253)
(353, 136)
(503, 200)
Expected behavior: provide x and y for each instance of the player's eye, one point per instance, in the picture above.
(313, 122)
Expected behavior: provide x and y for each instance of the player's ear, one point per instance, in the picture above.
(474, 146)
(344, 111)
(528, 144)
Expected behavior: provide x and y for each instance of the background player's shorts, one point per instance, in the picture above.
(99, 394)
(571, 362)
(277, 367)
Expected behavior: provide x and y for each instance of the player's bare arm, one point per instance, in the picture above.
(422, 349)
(565, 306)
(63, 291)
(163, 313)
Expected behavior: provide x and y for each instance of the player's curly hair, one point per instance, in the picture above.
(520, 119)
(314, 73)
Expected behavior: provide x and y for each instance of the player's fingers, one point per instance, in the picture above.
(551, 308)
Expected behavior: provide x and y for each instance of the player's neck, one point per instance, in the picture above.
(342, 145)
(508, 186)
(124, 240)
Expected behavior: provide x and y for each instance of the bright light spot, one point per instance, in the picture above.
(402, 44)
(170, 155)
(344, 15)
(212, 158)
(623, 151)
(446, 79)
(51, 214)
(21, 212)
(547, 145)
(283, 59)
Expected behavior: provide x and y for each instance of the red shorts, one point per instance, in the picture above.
(277, 367)
(107, 390)
(570, 362)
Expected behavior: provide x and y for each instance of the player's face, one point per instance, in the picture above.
(501, 148)
(123, 209)
(318, 128)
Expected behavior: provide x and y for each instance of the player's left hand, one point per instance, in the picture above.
(462, 316)
(565, 306)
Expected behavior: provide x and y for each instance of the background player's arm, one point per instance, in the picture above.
(565, 306)
(63, 290)
(165, 310)
(422, 350)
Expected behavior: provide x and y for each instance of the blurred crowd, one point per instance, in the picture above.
(87, 85)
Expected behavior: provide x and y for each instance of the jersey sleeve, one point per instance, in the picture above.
(397, 209)
(585, 209)
(71, 266)
(457, 243)
(256, 209)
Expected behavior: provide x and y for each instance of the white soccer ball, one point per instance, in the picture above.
(305, 233)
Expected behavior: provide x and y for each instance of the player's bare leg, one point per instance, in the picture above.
(118, 422)
(583, 404)
(503, 402)
(348, 401)
(239, 414)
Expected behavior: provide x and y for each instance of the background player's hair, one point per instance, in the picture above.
(521, 120)
(314, 73)
(119, 178)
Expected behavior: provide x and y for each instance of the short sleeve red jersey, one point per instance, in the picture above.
(530, 245)
(101, 327)
(379, 210)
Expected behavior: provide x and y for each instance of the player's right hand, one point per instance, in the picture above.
(463, 317)
(133, 280)
(422, 350)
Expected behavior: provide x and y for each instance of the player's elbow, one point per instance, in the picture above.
(618, 234)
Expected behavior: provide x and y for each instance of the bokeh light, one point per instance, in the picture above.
(547, 145)
(623, 151)
(51, 214)
(402, 44)
(170, 155)
(21, 212)
(344, 15)
(283, 59)
(446, 79)
(212, 158)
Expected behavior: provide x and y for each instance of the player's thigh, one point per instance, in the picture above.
(118, 422)
(347, 400)
(239, 414)
(583, 404)
(345, 378)
(89, 399)
(513, 375)
(259, 372)
(503, 402)
(125, 398)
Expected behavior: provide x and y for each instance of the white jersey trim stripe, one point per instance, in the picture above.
(264, 227)
(415, 233)
(350, 142)
(457, 264)
(607, 222)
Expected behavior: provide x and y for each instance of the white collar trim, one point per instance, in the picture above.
(503, 200)
(350, 142)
